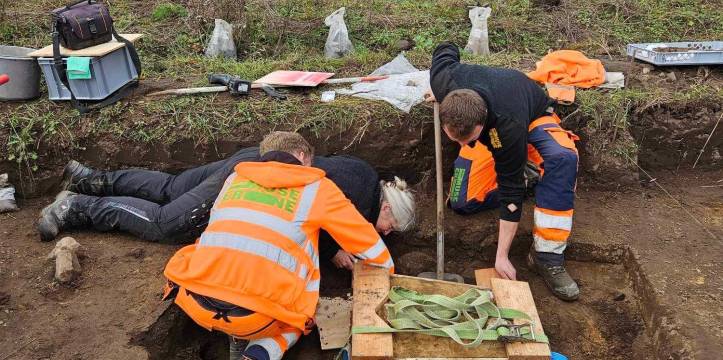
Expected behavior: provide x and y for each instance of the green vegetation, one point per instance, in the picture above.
(286, 34)
(165, 11)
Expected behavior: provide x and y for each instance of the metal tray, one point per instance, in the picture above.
(678, 53)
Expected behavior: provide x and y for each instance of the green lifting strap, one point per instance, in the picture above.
(460, 318)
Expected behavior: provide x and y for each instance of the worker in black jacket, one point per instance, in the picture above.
(505, 111)
(156, 206)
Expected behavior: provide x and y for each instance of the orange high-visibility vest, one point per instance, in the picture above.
(260, 250)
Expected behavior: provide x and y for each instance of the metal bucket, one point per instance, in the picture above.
(23, 71)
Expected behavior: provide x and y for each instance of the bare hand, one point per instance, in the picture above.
(343, 259)
(505, 268)
(429, 96)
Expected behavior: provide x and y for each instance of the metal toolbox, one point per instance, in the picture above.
(678, 53)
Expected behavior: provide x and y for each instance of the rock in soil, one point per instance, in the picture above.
(136, 253)
(67, 266)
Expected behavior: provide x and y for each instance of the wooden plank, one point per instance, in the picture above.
(517, 295)
(97, 50)
(371, 286)
(333, 318)
(427, 347)
(483, 277)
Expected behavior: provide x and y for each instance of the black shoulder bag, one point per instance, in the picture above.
(78, 26)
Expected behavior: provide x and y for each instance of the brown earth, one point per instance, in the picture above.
(647, 273)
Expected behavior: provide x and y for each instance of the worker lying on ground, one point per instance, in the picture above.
(506, 111)
(174, 208)
(254, 272)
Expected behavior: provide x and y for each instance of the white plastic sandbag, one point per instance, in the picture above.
(7, 195)
(221, 43)
(478, 42)
(337, 43)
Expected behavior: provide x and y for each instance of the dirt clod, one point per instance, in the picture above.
(619, 296)
(415, 262)
(4, 298)
(67, 266)
(136, 253)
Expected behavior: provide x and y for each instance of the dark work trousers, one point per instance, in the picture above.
(156, 206)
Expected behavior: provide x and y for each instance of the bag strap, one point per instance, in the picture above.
(61, 69)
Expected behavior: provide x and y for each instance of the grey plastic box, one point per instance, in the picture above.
(679, 53)
(108, 74)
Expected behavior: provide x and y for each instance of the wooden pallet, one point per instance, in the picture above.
(93, 51)
(371, 286)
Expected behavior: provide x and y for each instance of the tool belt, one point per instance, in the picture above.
(464, 317)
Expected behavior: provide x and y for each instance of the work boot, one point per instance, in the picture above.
(62, 214)
(81, 179)
(556, 278)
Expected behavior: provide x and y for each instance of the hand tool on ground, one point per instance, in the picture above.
(226, 82)
(440, 274)
(310, 79)
(4, 78)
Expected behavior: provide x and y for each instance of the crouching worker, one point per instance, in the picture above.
(511, 116)
(254, 272)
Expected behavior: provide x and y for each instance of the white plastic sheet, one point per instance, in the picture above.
(404, 88)
(337, 43)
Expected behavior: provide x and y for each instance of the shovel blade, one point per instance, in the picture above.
(447, 277)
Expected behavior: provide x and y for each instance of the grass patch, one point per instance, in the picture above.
(288, 34)
(167, 11)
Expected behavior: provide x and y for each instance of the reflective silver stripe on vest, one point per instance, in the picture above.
(312, 285)
(388, 264)
(268, 221)
(303, 271)
(251, 246)
(312, 254)
(307, 200)
(374, 251)
(227, 183)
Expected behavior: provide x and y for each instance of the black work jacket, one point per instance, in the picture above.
(513, 101)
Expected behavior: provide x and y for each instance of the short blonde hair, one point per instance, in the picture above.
(285, 141)
(401, 200)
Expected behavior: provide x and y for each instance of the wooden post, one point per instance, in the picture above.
(440, 192)
(371, 286)
(517, 295)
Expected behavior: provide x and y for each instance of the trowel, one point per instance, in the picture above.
(440, 274)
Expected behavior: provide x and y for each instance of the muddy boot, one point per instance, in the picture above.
(556, 278)
(62, 214)
(84, 180)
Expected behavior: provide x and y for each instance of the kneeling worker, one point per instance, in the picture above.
(512, 117)
(254, 272)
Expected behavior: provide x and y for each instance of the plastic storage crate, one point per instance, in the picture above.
(108, 74)
(678, 53)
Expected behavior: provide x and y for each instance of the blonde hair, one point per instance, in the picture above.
(401, 200)
(285, 141)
